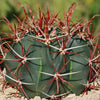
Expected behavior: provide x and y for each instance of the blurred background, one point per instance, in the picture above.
(84, 11)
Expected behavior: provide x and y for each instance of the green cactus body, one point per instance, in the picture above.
(32, 72)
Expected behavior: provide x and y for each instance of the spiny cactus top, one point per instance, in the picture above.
(49, 57)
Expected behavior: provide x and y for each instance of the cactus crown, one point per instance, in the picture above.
(49, 57)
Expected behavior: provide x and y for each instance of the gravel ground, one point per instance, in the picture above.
(9, 94)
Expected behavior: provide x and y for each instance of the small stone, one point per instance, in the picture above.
(22, 98)
(37, 98)
(25, 99)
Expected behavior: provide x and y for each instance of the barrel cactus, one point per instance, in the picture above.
(47, 57)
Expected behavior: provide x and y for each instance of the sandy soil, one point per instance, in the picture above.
(9, 94)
